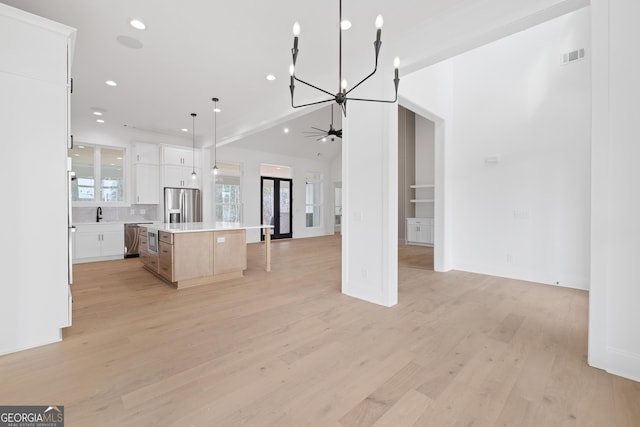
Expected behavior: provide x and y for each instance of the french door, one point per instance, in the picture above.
(275, 206)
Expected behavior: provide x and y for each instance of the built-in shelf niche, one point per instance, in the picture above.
(423, 193)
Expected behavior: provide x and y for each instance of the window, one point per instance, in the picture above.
(99, 173)
(228, 203)
(313, 203)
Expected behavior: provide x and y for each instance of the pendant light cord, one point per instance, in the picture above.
(215, 135)
(194, 175)
(193, 152)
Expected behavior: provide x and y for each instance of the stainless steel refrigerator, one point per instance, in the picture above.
(182, 205)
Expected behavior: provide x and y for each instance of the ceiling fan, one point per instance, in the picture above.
(322, 134)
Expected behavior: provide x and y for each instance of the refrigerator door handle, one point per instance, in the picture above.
(183, 206)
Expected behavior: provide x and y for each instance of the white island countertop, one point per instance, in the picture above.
(194, 227)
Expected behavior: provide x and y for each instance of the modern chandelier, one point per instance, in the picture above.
(342, 96)
(216, 110)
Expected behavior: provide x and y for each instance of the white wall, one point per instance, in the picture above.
(370, 214)
(614, 340)
(526, 216)
(251, 160)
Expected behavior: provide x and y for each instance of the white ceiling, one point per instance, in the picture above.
(193, 50)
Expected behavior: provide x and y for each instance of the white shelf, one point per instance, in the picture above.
(422, 201)
(422, 186)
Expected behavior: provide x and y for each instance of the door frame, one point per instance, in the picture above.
(275, 233)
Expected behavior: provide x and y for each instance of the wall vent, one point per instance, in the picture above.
(572, 56)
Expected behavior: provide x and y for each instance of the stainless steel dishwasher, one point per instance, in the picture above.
(132, 239)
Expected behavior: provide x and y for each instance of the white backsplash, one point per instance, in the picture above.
(133, 213)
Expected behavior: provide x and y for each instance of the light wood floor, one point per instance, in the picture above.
(287, 349)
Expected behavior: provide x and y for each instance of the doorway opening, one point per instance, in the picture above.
(417, 187)
(276, 196)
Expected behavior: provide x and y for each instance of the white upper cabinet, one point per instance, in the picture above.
(144, 153)
(180, 177)
(181, 157)
(36, 52)
(177, 166)
(146, 166)
(147, 184)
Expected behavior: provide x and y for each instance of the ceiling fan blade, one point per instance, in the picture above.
(321, 130)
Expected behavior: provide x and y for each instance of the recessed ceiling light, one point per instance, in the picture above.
(324, 139)
(137, 24)
(345, 24)
(77, 155)
(119, 158)
(100, 121)
(286, 130)
(97, 113)
(111, 83)
(271, 77)
(184, 130)
(112, 164)
(80, 146)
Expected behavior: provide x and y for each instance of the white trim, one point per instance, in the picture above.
(600, 137)
(442, 259)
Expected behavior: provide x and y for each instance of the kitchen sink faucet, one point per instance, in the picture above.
(99, 214)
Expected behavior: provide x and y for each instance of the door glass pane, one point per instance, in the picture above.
(313, 199)
(112, 175)
(285, 191)
(82, 163)
(338, 204)
(267, 201)
(228, 203)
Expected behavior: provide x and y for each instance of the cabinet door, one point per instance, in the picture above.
(181, 157)
(178, 176)
(172, 176)
(188, 180)
(87, 244)
(421, 233)
(147, 184)
(112, 243)
(146, 153)
(428, 232)
(412, 232)
(174, 156)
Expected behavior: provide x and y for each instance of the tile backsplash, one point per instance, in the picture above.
(133, 213)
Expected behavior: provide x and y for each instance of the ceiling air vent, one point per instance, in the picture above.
(572, 56)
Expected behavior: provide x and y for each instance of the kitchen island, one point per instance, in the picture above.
(198, 253)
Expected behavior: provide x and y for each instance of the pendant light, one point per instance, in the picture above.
(194, 175)
(216, 110)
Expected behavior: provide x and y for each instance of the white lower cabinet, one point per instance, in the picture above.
(420, 231)
(98, 242)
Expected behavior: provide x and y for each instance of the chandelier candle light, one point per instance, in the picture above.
(216, 110)
(194, 175)
(342, 96)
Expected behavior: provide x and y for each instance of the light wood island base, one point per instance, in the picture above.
(194, 258)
